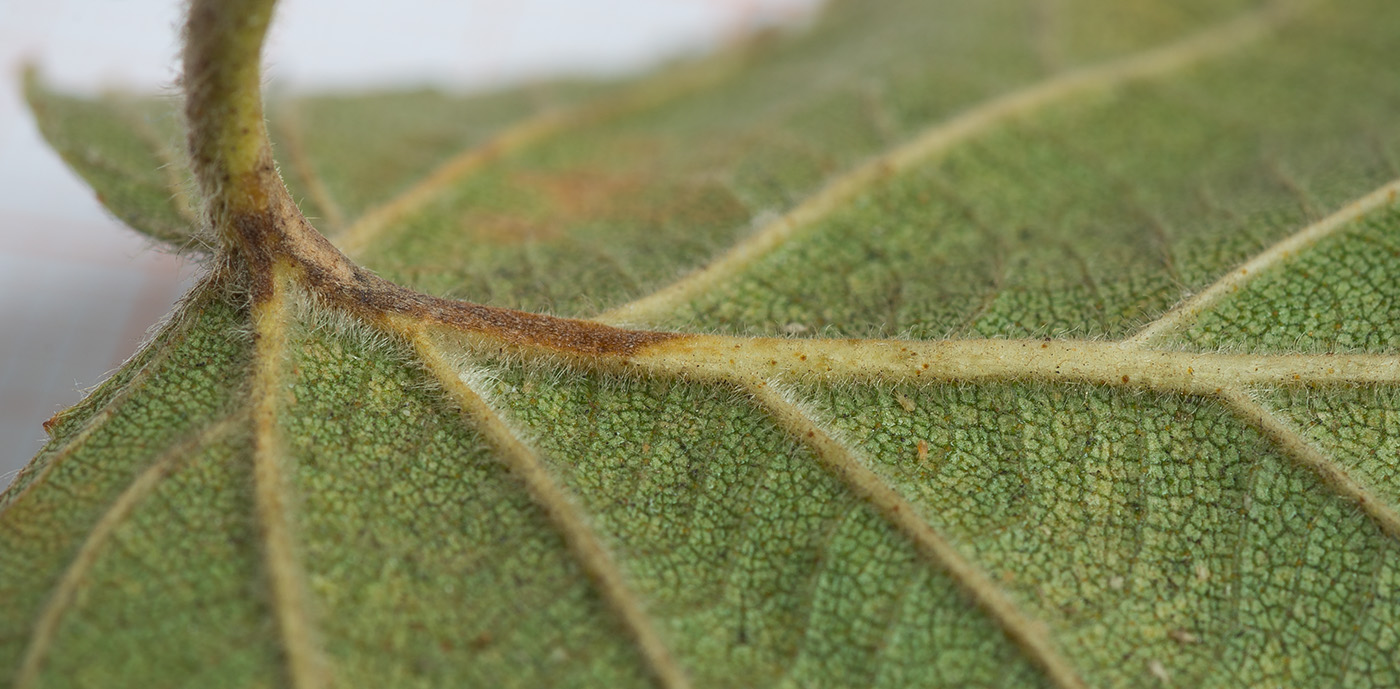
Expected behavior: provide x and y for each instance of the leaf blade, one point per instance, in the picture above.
(1156, 522)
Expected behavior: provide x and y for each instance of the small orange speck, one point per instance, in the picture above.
(923, 450)
(1044, 345)
(804, 357)
(811, 434)
(1125, 379)
(925, 367)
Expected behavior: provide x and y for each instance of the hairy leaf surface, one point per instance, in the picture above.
(973, 343)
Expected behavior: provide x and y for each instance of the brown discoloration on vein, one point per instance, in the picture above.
(263, 238)
(260, 227)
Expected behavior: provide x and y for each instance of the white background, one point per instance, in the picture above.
(78, 290)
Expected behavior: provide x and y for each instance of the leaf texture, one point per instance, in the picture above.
(974, 344)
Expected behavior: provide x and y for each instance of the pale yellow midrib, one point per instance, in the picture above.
(1372, 369)
(567, 517)
(62, 598)
(1029, 635)
(939, 139)
(307, 666)
(1073, 361)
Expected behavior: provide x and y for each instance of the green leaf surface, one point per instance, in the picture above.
(1120, 403)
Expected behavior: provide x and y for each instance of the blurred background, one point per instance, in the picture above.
(78, 290)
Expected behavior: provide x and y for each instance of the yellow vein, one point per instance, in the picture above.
(526, 465)
(306, 664)
(65, 594)
(671, 83)
(1186, 313)
(1296, 446)
(1077, 361)
(1028, 634)
(289, 125)
(939, 139)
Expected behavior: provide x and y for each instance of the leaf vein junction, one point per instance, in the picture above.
(940, 138)
(567, 517)
(1029, 635)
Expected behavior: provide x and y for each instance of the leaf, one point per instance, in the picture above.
(1121, 409)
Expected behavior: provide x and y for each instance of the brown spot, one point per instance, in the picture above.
(1125, 379)
(634, 186)
(482, 640)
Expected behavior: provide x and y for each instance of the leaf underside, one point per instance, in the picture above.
(822, 522)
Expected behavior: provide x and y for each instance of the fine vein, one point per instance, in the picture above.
(567, 517)
(1028, 634)
(305, 662)
(940, 138)
(65, 593)
(1186, 313)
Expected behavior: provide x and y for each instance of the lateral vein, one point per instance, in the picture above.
(65, 593)
(356, 238)
(291, 126)
(1186, 313)
(566, 516)
(1028, 634)
(939, 139)
(172, 163)
(306, 664)
(1301, 450)
(182, 319)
